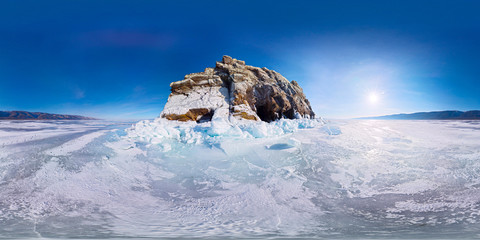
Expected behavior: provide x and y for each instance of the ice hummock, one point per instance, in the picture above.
(159, 129)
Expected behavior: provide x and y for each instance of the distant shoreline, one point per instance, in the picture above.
(36, 119)
(436, 115)
(24, 115)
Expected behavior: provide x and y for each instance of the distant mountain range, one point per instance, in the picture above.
(440, 115)
(24, 115)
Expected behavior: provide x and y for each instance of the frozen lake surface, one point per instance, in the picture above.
(345, 179)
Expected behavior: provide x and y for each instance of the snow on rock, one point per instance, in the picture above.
(195, 100)
(237, 90)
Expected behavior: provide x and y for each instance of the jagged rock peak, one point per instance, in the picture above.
(233, 89)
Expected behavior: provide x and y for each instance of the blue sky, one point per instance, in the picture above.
(115, 59)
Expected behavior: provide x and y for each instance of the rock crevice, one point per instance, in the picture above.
(233, 89)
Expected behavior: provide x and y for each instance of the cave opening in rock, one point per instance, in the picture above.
(264, 114)
(206, 117)
(290, 113)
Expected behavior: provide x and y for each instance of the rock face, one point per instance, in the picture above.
(233, 89)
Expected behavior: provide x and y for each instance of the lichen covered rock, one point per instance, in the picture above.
(233, 89)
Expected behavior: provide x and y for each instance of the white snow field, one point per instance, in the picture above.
(361, 179)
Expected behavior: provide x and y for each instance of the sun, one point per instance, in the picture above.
(373, 97)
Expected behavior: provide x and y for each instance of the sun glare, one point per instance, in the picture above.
(373, 97)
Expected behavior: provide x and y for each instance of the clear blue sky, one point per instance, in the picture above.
(115, 59)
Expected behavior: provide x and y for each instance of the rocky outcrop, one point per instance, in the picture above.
(233, 89)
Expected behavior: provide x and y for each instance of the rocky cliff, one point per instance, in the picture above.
(233, 89)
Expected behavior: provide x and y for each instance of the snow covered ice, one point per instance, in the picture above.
(291, 178)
